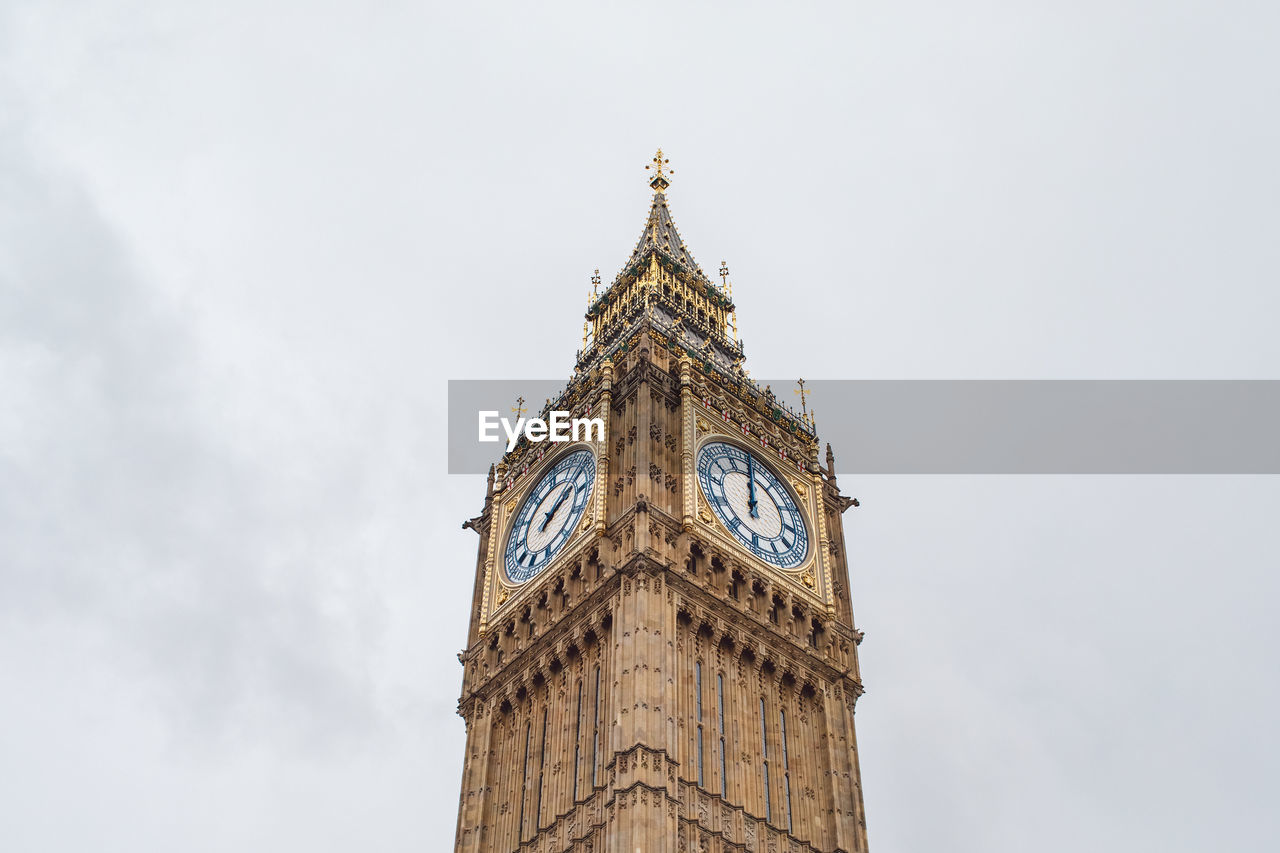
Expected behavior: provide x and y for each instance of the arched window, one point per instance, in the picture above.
(737, 583)
(542, 763)
(595, 732)
(724, 778)
(697, 686)
(577, 743)
(764, 752)
(786, 767)
(524, 787)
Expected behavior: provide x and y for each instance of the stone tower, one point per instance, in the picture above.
(661, 654)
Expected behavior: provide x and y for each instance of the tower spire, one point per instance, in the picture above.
(660, 235)
(663, 281)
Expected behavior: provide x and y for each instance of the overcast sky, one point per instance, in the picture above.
(243, 246)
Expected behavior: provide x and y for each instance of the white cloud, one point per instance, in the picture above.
(242, 248)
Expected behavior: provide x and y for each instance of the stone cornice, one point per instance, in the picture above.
(748, 630)
(520, 670)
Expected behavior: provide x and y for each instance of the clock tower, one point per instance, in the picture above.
(661, 654)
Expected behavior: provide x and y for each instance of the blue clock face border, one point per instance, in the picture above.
(753, 504)
(549, 515)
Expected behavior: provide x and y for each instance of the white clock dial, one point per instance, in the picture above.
(753, 504)
(546, 519)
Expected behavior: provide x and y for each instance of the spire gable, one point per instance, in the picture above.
(660, 237)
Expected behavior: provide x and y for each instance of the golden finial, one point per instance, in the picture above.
(803, 392)
(727, 286)
(592, 296)
(659, 181)
(733, 327)
(519, 408)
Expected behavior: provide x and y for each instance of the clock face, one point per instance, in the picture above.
(547, 518)
(753, 504)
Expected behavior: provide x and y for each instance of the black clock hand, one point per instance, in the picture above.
(547, 517)
(751, 481)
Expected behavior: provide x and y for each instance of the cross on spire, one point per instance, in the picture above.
(659, 181)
